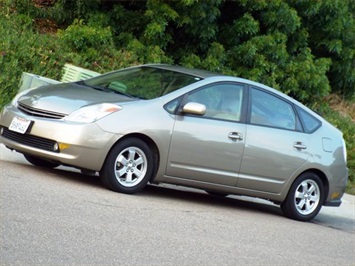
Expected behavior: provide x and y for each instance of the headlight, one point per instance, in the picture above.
(92, 113)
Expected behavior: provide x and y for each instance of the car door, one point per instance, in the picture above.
(209, 148)
(275, 146)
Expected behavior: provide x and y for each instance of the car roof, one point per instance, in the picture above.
(188, 71)
(209, 74)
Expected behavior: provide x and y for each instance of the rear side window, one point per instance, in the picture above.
(268, 110)
(309, 122)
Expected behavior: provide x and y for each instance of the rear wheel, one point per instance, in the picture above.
(128, 167)
(40, 162)
(305, 198)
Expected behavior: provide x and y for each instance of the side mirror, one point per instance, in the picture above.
(194, 108)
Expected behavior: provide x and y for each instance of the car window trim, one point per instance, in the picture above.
(298, 122)
(302, 122)
(244, 101)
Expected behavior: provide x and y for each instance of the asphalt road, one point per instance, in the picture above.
(62, 217)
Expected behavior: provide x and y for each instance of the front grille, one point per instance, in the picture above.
(39, 112)
(29, 140)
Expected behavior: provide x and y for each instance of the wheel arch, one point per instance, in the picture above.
(150, 142)
(323, 178)
(306, 204)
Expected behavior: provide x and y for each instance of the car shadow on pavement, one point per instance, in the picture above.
(197, 196)
(203, 198)
(335, 222)
(178, 193)
(69, 174)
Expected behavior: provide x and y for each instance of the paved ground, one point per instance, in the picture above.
(328, 215)
(62, 217)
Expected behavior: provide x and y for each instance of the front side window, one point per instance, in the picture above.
(269, 110)
(222, 101)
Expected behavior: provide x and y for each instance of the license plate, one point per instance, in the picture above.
(19, 124)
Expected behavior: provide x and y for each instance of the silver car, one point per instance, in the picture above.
(169, 124)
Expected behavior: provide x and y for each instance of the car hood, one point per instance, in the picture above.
(68, 97)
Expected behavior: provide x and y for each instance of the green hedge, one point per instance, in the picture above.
(270, 58)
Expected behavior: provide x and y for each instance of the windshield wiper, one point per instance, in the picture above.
(91, 86)
(107, 89)
(119, 92)
(138, 97)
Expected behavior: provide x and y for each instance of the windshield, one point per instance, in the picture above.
(142, 82)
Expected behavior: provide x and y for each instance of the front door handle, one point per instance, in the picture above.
(299, 145)
(235, 136)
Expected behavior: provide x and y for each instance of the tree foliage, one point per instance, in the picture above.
(303, 48)
(331, 28)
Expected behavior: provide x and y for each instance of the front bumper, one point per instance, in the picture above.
(81, 145)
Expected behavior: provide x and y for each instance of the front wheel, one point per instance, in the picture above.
(305, 198)
(128, 167)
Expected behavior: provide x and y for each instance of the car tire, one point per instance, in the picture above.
(305, 198)
(40, 162)
(128, 167)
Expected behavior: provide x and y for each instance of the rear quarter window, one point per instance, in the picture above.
(309, 122)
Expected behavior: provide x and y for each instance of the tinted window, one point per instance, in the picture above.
(309, 122)
(172, 106)
(142, 82)
(222, 101)
(269, 110)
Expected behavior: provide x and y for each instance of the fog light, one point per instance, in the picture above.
(1, 130)
(63, 146)
(55, 147)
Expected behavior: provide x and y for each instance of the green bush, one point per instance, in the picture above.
(23, 51)
(80, 37)
(242, 38)
(26, 50)
(347, 126)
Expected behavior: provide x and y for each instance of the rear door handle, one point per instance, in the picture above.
(299, 145)
(235, 136)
